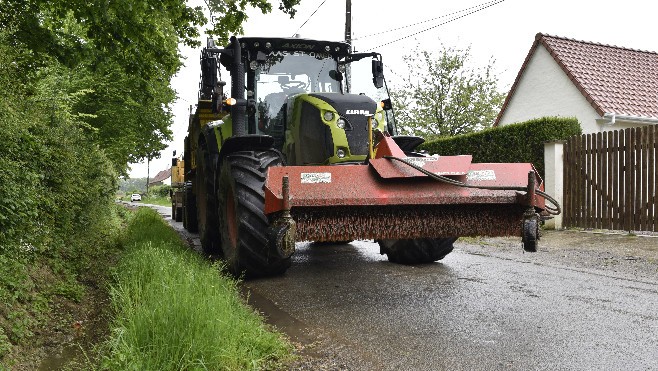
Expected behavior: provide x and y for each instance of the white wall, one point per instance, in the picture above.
(545, 90)
(553, 182)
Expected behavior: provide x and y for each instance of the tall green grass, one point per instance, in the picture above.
(176, 311)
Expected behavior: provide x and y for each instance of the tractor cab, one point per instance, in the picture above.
(314, 98)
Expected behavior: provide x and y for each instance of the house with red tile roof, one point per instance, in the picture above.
(605, 87)
(163, 177)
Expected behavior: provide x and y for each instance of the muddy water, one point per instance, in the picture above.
(57, 361)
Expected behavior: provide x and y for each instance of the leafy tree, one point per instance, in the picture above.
(123, 54)
(228, 16)
(142, 35)
(444, 97)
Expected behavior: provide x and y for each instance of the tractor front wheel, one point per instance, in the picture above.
(244, 225)
(416, 251)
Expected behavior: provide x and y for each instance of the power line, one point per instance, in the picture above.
(309, 17)
(479, 8)
(429, 20)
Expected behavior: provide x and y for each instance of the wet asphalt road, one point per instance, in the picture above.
(349, 308)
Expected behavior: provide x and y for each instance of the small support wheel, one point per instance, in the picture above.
(531, 233)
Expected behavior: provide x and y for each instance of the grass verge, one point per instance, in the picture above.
(176, 311)
(155, 200)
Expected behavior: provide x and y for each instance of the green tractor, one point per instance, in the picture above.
(295, 153)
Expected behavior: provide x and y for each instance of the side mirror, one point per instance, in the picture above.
(377, 73)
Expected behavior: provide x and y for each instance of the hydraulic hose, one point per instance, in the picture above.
(551, 210)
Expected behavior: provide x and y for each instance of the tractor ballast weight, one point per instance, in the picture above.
(293, 155)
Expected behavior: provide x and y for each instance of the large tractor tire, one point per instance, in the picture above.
(417, 251)
(189, 211)
(244, 225)
(206, 204)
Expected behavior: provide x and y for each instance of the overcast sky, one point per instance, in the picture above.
(504, 32)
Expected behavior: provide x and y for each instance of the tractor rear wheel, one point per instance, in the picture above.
(189, 210)
(416, 251)
(206, 205)
(244, 225)
(184, 210)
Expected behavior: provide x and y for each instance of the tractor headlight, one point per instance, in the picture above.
(328, 116)
(341, 123)
(379, 116)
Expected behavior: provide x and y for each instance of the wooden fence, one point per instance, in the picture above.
(610, 180)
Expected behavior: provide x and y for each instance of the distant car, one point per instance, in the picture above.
(135, 197)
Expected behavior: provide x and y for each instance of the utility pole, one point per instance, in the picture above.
(348, 22)
(148, 173)
(348, 40)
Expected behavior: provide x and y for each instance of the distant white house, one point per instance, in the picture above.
(605, 87)
(163, 177)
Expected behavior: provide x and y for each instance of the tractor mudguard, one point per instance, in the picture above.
(246, 143)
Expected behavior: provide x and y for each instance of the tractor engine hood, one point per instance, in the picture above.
(327, 138)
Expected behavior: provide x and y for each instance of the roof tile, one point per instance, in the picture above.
(618, 80)
(162, 175)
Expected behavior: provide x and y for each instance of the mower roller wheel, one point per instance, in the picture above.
(530, 234)
(244, 225)
(416, 251)
(206, 209)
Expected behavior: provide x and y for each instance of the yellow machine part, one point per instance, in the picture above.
(177, 172)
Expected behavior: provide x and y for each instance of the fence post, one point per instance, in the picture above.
(553, 177)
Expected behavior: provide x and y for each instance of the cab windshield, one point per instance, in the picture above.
(289, 73)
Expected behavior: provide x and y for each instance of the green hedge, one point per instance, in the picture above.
(56, 198)
(520, 142)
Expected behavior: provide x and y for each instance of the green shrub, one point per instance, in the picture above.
(520, 142)
(160, 191)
